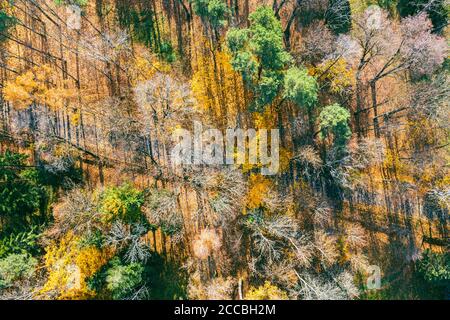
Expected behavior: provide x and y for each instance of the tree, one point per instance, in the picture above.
(421, 51)
(267, 291)
(437, 10)
(6, 22)
(300, 87)
(338, 16)
(70, 266)
(38, 85)
(432, 273)
(141, 22)
(334, 121)
(73, 2)
(207, 242)
(319, 288)
(130, 241)
(25, 242)
(162, 211)
(20, 194)
(435, 267)
(213, 11)
(258, 54)
(106, 96)
(123, 280)
(15, 267)
(217, 289)
(386, 50)
(122, 203)
(78, 213)
(318, 43)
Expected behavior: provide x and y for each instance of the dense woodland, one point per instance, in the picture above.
(92, 208)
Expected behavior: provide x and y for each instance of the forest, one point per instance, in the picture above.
(93, 207)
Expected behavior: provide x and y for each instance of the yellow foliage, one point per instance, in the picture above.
(403, 172)
(265, 120)
(35, 85)
(252, 144)
(56, 98)
(18, 95)
(336, 73)
(285, 159)
(259, 187)
(344, 254)
(217, 87)
(144, 66)
(75, 118)
(358, 6)
(69, 267)
(19, 91)
(266, 292)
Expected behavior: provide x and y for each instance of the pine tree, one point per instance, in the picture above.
(258, 54)
(338, 16)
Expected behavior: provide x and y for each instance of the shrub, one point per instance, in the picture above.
(123, 279)
(15, 267)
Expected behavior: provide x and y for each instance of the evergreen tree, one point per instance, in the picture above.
(213, 11)
(300, 87)
(334, 122)
(338, 16)
(258, 54)
(6, 22)
(20, 194)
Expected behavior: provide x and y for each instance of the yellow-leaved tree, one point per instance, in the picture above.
(216, 86)
(266, 292)
(38, 85)
(70, 265)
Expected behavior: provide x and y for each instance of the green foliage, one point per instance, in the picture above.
(435, 267)
(93, 239)
(122, 280)
(15, 267)
(267, 40)
(80, 3)
(300, 87)
(237, 39)
(339, 16)
(6, 22)
(167, 52)
(167, 279)
(155, 279)
(20, 243)
(387, 4)
(143, 26)
(438, 11)
(214, 11)
(123, 203)
(20, 193)
(142, 23)
(258, 54)
(334, 120)
(429, 280)
(245, 63)
(268, 87)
